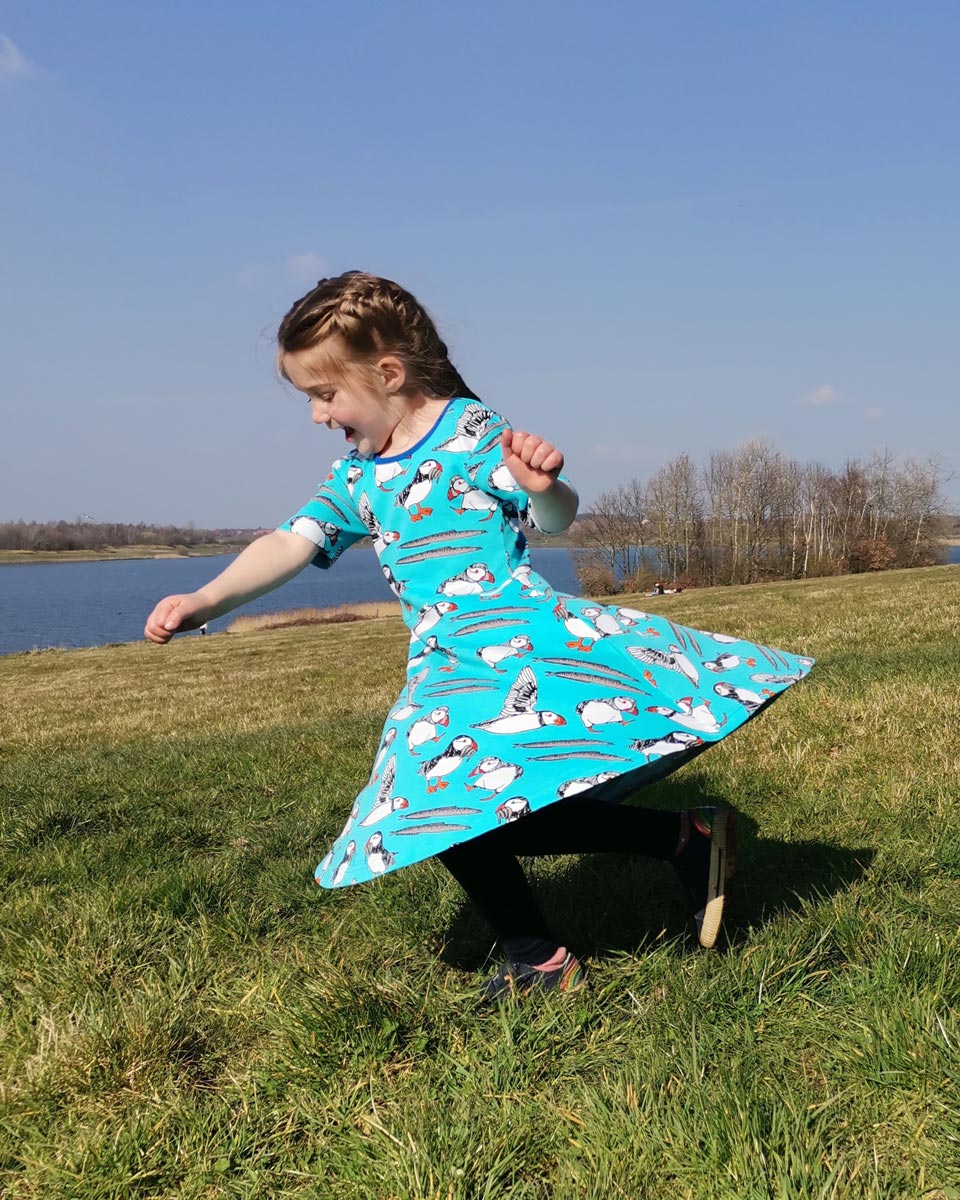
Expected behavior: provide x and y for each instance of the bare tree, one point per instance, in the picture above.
(753, 513)
(613, 535)
(922, 485)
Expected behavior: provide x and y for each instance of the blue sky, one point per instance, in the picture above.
(642, 228)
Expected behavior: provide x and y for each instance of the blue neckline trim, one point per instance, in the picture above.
(426, 437)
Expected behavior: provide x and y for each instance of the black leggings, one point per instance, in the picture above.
(487, 868)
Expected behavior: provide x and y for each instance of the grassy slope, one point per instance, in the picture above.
(183, 1014)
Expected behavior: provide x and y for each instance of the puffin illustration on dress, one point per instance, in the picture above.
(689, 715)
(413, 495)
(426, 728)
(379, 858)
(386, 802)
(494, 775)
(510, 685)
(520, 713)
(447, 761)
(603, 710)
(469, 498)
(516, 646)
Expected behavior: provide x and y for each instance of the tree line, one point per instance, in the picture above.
(94, 535)
(752, 513)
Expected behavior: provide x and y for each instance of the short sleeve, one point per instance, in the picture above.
(487, 470)
(330, 520)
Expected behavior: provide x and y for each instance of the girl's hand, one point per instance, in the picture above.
(177, 614)
(534, 463)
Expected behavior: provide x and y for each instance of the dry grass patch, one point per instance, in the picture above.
(339, 615)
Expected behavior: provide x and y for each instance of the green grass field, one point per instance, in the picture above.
(183, 1014)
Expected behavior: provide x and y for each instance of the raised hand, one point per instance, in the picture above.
(534, 463)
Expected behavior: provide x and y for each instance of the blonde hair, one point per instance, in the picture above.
(372, 316)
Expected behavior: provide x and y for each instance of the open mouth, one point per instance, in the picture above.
(348, 432)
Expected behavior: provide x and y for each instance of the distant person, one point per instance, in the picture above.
(203, 629)
(657, 589)
(524, 712)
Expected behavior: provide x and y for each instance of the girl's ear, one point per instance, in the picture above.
(393, 371)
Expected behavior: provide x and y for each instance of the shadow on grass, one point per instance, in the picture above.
(605, 904)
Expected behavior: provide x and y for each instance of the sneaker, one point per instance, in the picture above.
(518, 979)
(704, 862)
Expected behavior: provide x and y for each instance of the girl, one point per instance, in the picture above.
(525, 712)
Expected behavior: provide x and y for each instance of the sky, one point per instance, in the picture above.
(643, 229)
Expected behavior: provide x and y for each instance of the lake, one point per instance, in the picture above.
(93, 603)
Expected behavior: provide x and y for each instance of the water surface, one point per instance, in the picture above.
(95, 603)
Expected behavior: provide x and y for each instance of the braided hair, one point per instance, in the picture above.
(373, 316)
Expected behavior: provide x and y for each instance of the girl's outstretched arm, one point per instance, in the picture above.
(261, 567)
(536, 465)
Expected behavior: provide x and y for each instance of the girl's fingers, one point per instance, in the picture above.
(521, 444)
(532, 450)
(552, 461)
(155, 630)
(165, 620)
(173, 618)
(544, 456)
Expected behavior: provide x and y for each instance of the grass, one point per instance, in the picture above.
(182, 1014)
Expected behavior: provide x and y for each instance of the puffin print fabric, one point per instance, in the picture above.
(516, 696)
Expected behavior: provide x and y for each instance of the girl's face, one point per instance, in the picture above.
(364, 403)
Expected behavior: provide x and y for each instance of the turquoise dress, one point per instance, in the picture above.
(516, 696)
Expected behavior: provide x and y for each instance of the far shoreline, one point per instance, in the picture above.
(121, 553)
(134, 553)
(12, 557)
